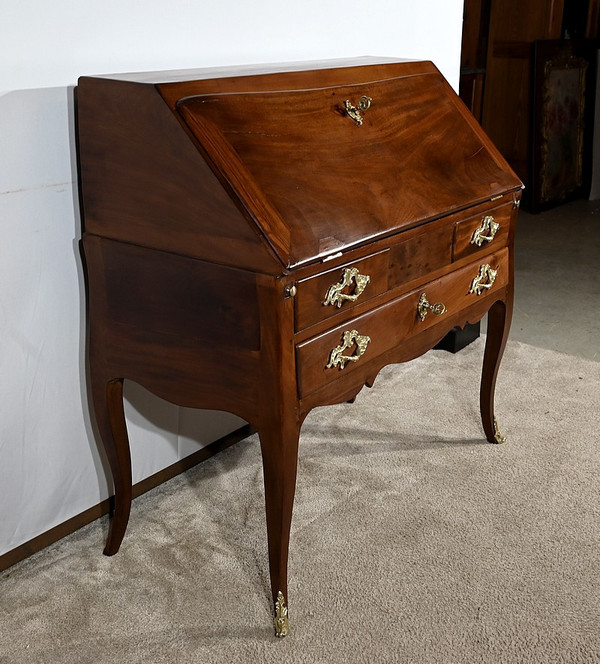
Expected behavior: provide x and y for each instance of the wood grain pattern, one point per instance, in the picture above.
(340, 183)
(420, 252)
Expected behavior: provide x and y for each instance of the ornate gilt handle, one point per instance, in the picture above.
(334, 294)
(489, 226)
(484, 280)
(424, 307)
(364, 103)
(351, 337)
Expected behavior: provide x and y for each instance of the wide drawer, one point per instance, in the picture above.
(350, 347)
(484, 232)
(340, 289)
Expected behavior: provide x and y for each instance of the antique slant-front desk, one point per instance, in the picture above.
(264, 243)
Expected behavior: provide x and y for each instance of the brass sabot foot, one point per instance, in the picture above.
(281, 620)
(498, 437)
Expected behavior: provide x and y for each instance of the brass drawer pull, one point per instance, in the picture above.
(364, 103)
(489, 226)
(484, 280)
(334, 294)
(424, 307)
(350, 338)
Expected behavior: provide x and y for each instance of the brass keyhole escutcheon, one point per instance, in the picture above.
(364, 104)
(424, 307)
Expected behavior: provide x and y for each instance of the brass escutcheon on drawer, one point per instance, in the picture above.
(424, 307)
(484, 280)
(350, 337)
(489, 226)
(334, 293)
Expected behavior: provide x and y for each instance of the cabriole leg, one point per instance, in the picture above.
(497, 334)
(279, 447)
(107, 396)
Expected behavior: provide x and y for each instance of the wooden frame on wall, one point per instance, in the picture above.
(563, 80)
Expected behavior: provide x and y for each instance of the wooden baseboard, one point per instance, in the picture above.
(71, 525)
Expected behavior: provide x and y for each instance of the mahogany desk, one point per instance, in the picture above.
(264, 243)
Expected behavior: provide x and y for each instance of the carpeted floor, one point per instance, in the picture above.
(413, 540)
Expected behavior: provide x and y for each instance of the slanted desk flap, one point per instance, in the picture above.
(320, 170)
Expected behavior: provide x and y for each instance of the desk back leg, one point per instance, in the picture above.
(107, 397)
(499, 317)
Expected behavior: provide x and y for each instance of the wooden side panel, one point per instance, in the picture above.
(144, 181)
(186, 330)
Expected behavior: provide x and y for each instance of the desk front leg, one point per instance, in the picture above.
(279, 446)
(278, 424)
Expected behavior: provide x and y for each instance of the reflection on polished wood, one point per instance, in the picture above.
(220, 211)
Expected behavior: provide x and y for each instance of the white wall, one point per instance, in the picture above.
(50, 468)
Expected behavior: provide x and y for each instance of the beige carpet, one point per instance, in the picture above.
(413, 540)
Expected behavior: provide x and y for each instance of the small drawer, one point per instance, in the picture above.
(340, 289)
(487, 231)
(351, 346)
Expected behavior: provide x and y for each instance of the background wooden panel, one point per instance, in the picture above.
(514, 26)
